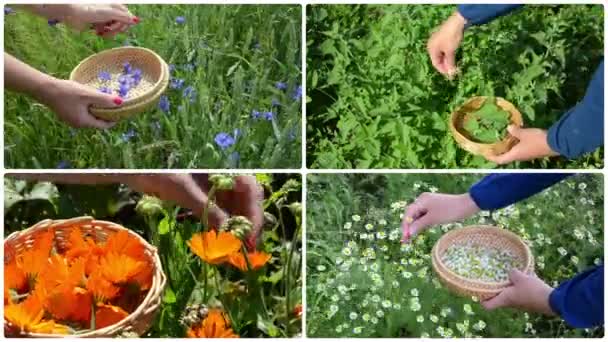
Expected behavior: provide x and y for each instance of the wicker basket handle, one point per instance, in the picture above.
(76, 221)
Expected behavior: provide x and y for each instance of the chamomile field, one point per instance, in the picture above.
(374, 99)
(78, 280)
(362, 282)
(233, 101)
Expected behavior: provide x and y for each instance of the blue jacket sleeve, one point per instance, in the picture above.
(500, 190)
(481, 14)
(581, 130)
(580, 300)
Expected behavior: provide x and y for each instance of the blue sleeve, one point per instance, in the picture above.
(581, 130)
(500, 190)
(580, 300)
(481, 14)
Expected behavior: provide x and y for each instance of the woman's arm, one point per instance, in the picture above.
(482, 14)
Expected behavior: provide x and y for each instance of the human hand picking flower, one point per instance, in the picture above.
(532, 144)
(69, 100)
(444, 42)
(527, 292)
(107, 19)
(430, 209)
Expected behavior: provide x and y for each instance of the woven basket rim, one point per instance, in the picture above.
(134, 100)
(436, 258)
(515, 119)
(159, 280)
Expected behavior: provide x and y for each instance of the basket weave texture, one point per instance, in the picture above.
(155, 79)
(140, 320)
(488, 236)
(462, 114)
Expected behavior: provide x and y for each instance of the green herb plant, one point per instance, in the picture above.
(488, 124)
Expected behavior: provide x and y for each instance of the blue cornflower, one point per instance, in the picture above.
(126, 68)
(176, 83)
(237, 133)
(128, 135)
(255, 114)
(52, 22)
(105, 90)
(164, 104)
(180, 20)
(281, 85)
(123, 89)
(275, 103)
(171, 68)
(8, 10)
(189, 93)
(64, 164)
(136, 77)
(224, 140)
(124, 79)
(297, 94)
(268, 116)
(291, 136)
(104, 76)
(127, 42)
(233, 159)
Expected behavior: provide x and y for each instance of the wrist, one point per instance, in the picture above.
(470, 207)
(459, 19)
(45, 88)
(547, 309)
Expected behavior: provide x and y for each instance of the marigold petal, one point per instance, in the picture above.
(120, 268)
(213, 247)
(107, 315)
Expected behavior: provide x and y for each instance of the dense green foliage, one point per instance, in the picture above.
(264, 303)
(361, 281)
(375, 101)
(231, 56)
(489, 123)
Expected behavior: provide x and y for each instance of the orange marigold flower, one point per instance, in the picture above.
(26, 314)
(214, 248)
(73, 304)
(145, 277)
(107, 315)
(120, 269)
(34, 260)
(125, 243)
(214, 325)
(14, 278)
(101, 288)
(256, 259)
(297, 311)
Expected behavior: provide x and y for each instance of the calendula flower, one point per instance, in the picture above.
(72, 304)
(214, 248)
(120, 269)
(125, 243)
(14, 278)
(101, 288)
(215, 325)
(107, 315)
(34, 260)
(256, 259)
(27, 316)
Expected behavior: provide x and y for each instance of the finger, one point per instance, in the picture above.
(516, 276)
(501, 300)
(120, 7)
(412, 212)
(103, 100)
(449, 62)
(252, 194)
(110, 13)
(87, 120)
(437, 60)
(515, 131)
(504, 158)
(420, 223)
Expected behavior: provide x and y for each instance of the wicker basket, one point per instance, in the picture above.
(140, 320)
(462, 114)
(155, 79)
(481, 235)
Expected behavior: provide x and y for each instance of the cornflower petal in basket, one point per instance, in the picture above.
(256, 259)
(139, 75)
(214, 325)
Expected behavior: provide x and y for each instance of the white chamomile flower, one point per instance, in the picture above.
(562, 251)
(414, 292)
(321, 268)
(406, 274)
(574, 259)
(419, 318)
(369, 226)
(397, 306)
(434, 318)
(335, 298)
(357, 330)
(348, 225)
(353, 316)
(347, 251)
(479, 326)
(386, 304)
(424, 335)
(374, 320)
(382, 222)
(356, 218)
(468, 310)
(380, 313)
(366, 317)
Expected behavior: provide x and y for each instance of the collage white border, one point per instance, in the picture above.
(303, 170)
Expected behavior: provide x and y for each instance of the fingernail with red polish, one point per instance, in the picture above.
(136, 20)
(118, 101)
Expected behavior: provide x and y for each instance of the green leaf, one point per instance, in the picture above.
(169, 296)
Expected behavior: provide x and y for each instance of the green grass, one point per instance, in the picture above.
(567, 216)
(240, 52)
(259, 304)
(375, 101)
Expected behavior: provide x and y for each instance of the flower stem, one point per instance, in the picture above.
(93, 305)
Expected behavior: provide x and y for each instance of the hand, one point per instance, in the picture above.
(532, 145)
(444, 42)
(71, 102)
(431, 209)
(107, 19)
(245, 199)
(528, 293)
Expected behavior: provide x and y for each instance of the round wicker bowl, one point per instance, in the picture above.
(462, 114)
(481, 235)
(140, 320)
(154, 82)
